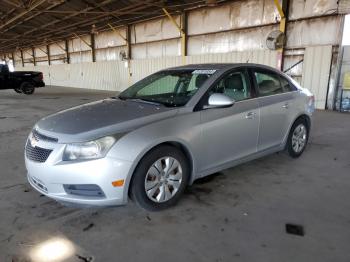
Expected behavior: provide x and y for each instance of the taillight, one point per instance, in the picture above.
(311, 100)
(41, 76)
(311, 103)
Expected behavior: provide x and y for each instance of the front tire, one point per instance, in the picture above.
(18, 90)
(298, 138)
(160, 178)
(27, 88)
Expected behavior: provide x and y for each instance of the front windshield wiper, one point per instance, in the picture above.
(142, 100)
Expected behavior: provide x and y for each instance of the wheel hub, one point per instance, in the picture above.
(299, 138)
(163, 179)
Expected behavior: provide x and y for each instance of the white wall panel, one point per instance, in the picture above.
(76, 44)
(157, 49)
(237, 14)
(320, 31)
(17, 56)
(57, 48)
(39, 51)
(302, 8)
(145, 67)
(110, 38)
(81, 57)
(316, 70)
(252, 39)
(154, 30)
(109, 54)
(114, 75)
(27, 54)
(265, 57)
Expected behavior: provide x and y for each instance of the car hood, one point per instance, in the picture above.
(101, 118)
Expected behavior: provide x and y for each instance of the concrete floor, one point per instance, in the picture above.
(237, 215)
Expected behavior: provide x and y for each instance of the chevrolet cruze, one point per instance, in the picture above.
(164, 132)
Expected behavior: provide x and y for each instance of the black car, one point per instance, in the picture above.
(21, 81)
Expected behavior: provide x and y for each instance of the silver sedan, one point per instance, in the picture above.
(166, 131)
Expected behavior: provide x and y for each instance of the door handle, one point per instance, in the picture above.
(250, 115)
(286, 105)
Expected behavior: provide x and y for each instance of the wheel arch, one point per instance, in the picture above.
(184, 149)
(304, 116)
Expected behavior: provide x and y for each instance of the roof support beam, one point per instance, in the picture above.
(128, 44)
(67, 50)
(44, 51)
(13, 3)
(283, 12)
(184, 34)
(82, 39)
(22, 60)
(23, 20)
(48, 54)
(118, 33)
(13, 59)
(38, 3)
(33, 54)
(182, 31)
(93, 51)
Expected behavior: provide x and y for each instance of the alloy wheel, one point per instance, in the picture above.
(299, 138)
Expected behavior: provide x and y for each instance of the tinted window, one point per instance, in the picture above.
(235, 85)
(268, 83)
(287, 87)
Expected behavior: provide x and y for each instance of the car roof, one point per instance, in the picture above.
(221, 66)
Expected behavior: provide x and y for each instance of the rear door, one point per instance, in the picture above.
(230, 133)
(275, 103)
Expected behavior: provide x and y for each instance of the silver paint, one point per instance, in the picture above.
(212, 139)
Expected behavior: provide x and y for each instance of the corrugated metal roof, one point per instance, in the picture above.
(27, 23)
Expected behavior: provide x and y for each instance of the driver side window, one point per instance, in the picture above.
(235, 85)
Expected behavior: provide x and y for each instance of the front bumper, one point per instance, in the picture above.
(39, 84)
(50, 177)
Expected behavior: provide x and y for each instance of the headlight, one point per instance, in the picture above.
(89, 150)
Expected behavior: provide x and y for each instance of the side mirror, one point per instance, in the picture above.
(218, 100)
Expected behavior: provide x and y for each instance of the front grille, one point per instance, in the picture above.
(38, 136)
(37, 154)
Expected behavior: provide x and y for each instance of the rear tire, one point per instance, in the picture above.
(298, 138)
(18, 90)
(160, 178)
(27, 88)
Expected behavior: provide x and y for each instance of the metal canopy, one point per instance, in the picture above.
(29, 23)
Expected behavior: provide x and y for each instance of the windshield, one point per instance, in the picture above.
(170, 88)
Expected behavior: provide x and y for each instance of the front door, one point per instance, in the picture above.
(230, 133)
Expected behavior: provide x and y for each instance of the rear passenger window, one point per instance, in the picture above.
(268, 83)
(287, 87)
